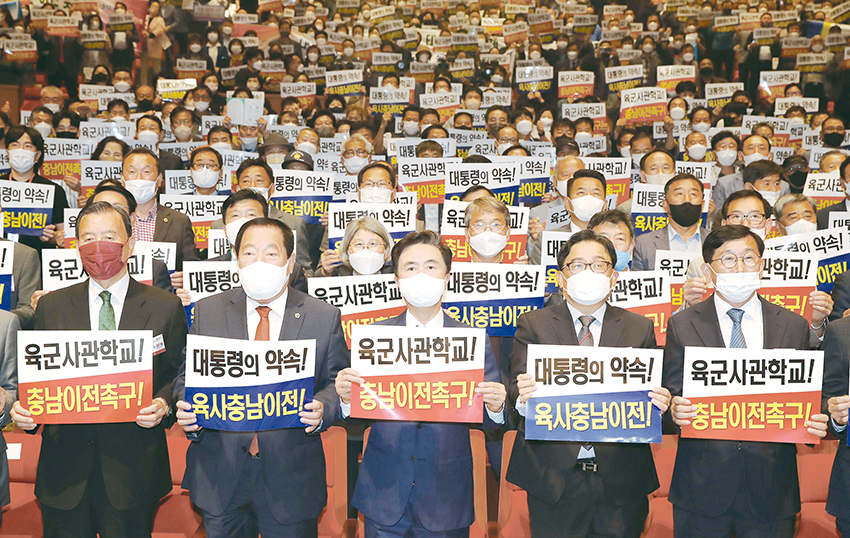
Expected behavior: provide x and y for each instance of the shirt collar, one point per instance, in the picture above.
(673, 234)
(151, 214)
(118, 290)
(598, 316)
(752, 308)
(278, 306)
(435, 323)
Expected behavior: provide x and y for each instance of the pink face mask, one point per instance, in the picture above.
(102, 259)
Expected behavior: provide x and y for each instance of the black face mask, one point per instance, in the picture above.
(706, 71)
(463, 127)
(97, 78)
(66, 134)
(335, 109)
(686, 214)
(833, 140)
(798, 178)
(145, 105)
(727, 12)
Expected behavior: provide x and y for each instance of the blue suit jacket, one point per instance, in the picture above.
(429, 464)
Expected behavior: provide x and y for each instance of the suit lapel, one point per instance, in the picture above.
(236, 317)
(81, 320)
(773, 325)
(563, 325)
(133, 315)
(612, 327)
(662, 241)
(705, 323)
(162, 225)
(293, 317)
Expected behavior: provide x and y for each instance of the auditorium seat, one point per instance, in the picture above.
(513, 503)
(23, 516)
(814, 465)
(332, 521)
(176, 517)
(480, 527)
(660, 510)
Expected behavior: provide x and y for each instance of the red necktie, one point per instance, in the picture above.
(261, 334)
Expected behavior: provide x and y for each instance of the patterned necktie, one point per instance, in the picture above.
(106, 319)
(261, 334)
(737, 340)
(585, 338)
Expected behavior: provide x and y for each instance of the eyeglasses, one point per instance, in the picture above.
(753, 218)
(349, 153)
(597, 267)
(512, 141)
(374, 246)
(730, 261)
(379, 185)
(202, 166)
(479, 227)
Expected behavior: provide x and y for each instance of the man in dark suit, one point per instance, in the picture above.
(683, 199)
(823, 214)
(270, 481)
(836, 402)
(151, 124)
(141, 174)
(9, 327)
(577, 490)
(107, 478)
(417, 477)
(721, 487)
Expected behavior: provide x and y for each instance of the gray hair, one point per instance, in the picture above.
(779, 207)
(369, 224)
(101, 208)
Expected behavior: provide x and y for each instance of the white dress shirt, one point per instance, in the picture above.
(680, 244)
(119, 296)
(278, 309)
(434, 323)
(752, 323)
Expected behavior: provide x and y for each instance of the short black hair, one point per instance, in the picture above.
(682, 177)
(717, 238)
(476, 188)
(205, 149)
(16, 132)
(476, 159)
(151, 118)
(517, 146)
(582, 236)
(760, 170)
(285, 231)
(593, 174)
(142, 151)
(740, 195)
(220, 129)
(426, 237)
(251, 163)
(183, 110)
(106, 187)
(72, 117)
(240, 196)
(125, 148)
(612, 216)
(495, 108)
(371, 166)
(723, 135)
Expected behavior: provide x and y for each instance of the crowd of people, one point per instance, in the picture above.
(742, 103)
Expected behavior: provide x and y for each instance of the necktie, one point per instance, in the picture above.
(261, 334)
(737, 340)
(106, 318)
(585, 338)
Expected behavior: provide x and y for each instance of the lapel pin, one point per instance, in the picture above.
(298, 315)
(165, 219)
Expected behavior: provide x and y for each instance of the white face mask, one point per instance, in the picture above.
(653, 26)
(202, 106)
(534, 55)
(366, 262)
(636, 157)
(236, 50)
(195, 48)
(572, 55)
(802, 226)
(348, 51)
(212, 87)
(249, 144)
(375, 195)
(547, 123)
(726, 157)
(232, 228)
(701, 127)
(148, 137)
(659, 179)
(737, 287)
(354, 164)
(488, 243)
(21, 160)
(226, 30)
(44, 129)
(141, 189)
(647, 48)
(258, 65)
(626, 152)
(53, 107)
(472, 104)
(697, 152)
(264, 191)
(588, 288)
(770, 196)
(307, 147)
(677, 113)
(261, 281)
(321, 42)
(817, 48)
(313, 56)
(275, 158)
(754, 157)
(583, 136)
(182, 132)
(122, 86)
(584, 207)
(688, 57)
(221, 146)
(497, 79)
(410, 128)
(422, 290)
(502, 148)
(205, 178)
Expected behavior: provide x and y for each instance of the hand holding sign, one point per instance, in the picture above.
(838, 408)
(682, 411)
(343, 382)
(494, 395)
(186, 418)
(22, 418)
(152, 415)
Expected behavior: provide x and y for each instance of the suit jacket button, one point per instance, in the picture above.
(412, 458)
(244, 449)
(740, 446)
(419, 426)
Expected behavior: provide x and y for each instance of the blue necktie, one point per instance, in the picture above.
(737, 340)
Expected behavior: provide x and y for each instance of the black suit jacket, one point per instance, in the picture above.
(174, 227)
(543, 468)
(50, 50)
(836, 357)
(708, 472)
(293, 462)
(841, 296)
(823, 214)
(134, 460)
(170, 161)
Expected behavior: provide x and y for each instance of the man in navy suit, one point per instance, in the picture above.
(417, 477)
(271, 482)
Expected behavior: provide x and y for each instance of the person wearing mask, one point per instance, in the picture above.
(832, 132)
(683, 202)
(275, 149)
(94, 58)
(506, 138)
(59, 58)
(696, 146)
(236, 50)
(123, 45)
(234, 478)
(409, 121)
(25, 150)
(206, 166)
(388, 486)
(707, 75)
(764, 177)
(324, 123)
(108, 477)
(41, 120)
(582, 487)
(796, 170)
(495, 118)
(253, 60)
(183, 125)
(154, 44)
(823, 213)
(795, 214)
(217, 100)
(285, 41)
(220, 138)
(122, 80)
(196, 52)
(364, 250)
(356, 154)
(618, 228)
(307, 141)
(215, 50)
(118, 110)
(721, 485)
(538, 216)
(147, 99)
(149, 130)
(657, 167)
(487, 222)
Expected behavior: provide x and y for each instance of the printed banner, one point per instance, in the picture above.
(501, 178)
(832, 247)
(249, 385)
(418, 374)
(646, 293)
(453, 231)
(303, 193)
(27, 207)
(202, 210)
(398, 219)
